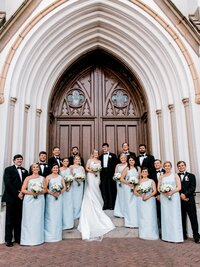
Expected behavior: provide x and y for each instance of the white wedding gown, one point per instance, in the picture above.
(93, 223)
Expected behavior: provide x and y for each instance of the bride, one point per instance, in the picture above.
(93, 223)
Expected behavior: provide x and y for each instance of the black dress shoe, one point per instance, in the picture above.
(185, 237)
(197, 240)
(9, 244)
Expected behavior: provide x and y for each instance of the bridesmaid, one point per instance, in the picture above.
(170, 206)
(147, 215)
(32, 232)
(53, 211)
(119, 203)
(77, 186)
(68, 217)
(130, 200)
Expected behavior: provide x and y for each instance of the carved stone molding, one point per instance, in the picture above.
(2, 18)
(38, 112)
(159, 112)
(195, 19)
(27, 107)
(13, 100)
(186, 102)
(171, 107)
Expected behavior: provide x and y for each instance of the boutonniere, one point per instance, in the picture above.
(23, 170)
(186, 178)
(110, 156)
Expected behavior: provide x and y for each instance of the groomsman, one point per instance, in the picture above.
(75, 152)
(44, 168)
(159, 171)
(188, 207)
(107, 185)
(127, 152)
(146, 160)
(55, 158)
(13, 178)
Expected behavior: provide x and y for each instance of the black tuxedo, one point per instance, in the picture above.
(148, 162)
(43, 171)
(188, 207)
(54, 160)
(13, 185)
(108, 185)
(71, 161)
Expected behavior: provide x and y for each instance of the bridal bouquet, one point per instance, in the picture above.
(95, 167)
(68, 180)
(56, 188)
(116, 178)
(132, 180)
(164, 188)
(36, 188)
(143, 189)
(80, 177)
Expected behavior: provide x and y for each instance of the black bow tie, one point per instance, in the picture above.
(105, 153)
(142, 155)
(159, 171)
(43, 164)
(19, 168)
(181, 173)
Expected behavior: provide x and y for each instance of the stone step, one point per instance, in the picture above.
(119, 232)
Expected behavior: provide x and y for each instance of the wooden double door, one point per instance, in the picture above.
(97, 106)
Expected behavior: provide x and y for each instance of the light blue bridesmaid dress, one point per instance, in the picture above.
(171, 222)
(68, 209)
(77, 192)
(32, 230)
(130, 202)
(147, 216)
(53, 214)
(119, 203)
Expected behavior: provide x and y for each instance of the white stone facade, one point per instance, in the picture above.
(136, 32)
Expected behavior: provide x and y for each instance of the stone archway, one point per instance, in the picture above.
(96, 100)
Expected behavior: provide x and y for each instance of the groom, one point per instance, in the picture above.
(108, 185)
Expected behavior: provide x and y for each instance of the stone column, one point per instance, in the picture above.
(174, 135)
(189, 134)
(37, 133)
(161, 134)
(25, 130)
(9, 146)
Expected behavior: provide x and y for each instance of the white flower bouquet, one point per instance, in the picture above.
(143, 189)
(36, 188)
(56, 188)
(95, 167)
(116, 178)
(68, 181)
(132, 180)
(165, 188)
(80, 177)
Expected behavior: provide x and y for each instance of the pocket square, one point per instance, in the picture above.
(186, 178)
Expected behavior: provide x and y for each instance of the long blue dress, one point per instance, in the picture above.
(32, 230)
(119, 203)
(171, 213)
(147, 216)
(77, 192)
(68, 209)
(130, 202)
(53, 214)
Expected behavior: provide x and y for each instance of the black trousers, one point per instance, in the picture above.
(13, 221)
(190, 209)
(158, 214)
(108, 189)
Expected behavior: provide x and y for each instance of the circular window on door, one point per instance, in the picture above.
(75, 98)
(120, 98)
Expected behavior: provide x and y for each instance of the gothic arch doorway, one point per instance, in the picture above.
(97, 100)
